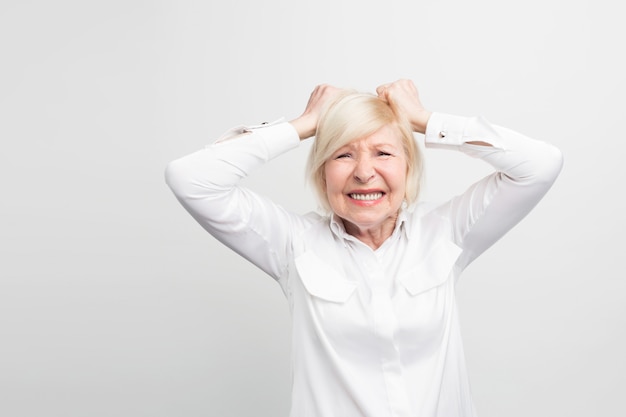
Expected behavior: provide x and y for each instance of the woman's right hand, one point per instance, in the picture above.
(306, 124)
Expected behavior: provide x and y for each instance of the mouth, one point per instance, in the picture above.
(366, 196)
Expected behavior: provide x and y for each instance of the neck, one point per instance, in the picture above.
(373, 237)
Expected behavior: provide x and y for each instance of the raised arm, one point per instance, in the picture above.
(525, 169)
(206, 183)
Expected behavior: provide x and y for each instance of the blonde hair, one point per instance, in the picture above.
(353, 115)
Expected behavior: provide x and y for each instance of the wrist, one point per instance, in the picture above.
(420, 121)
(304, 126)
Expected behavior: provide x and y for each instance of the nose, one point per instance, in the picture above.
(364, 170)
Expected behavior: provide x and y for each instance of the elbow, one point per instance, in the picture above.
(540, 169)
(194, 176)
(552, 163)
(176, 178)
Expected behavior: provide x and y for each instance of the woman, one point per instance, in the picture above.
(371, 283)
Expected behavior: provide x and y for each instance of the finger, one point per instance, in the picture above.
(381, 89)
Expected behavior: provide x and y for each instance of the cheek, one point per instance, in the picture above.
(404, 177)
(397, 176)
(333, 179)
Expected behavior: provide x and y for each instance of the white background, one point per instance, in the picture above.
(113, 302)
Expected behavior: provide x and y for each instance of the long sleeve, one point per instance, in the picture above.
(525, 169)
(206, 183)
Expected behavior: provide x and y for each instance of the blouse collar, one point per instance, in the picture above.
(339, 230)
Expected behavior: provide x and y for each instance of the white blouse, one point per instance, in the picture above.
(375, 333)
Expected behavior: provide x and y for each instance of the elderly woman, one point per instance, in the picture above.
(370, 283)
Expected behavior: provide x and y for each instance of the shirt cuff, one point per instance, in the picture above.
(277, 137)
(446, 130)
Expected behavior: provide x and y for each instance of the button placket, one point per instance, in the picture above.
(385, 324)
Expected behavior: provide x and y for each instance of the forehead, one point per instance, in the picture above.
(387, 135)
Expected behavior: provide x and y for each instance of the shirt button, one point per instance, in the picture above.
(442, 134)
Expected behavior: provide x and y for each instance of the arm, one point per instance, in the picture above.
(525, 169)
(206, 184)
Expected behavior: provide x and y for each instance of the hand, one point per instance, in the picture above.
(306, 124)
(404, 99)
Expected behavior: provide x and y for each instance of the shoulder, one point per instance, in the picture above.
(314, 222)
(303, 225)
(428, 221)
(425, 209)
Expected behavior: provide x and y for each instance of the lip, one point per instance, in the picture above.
(366, 191)
(366, 203)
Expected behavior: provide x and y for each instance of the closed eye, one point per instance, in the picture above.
(382, 153)
(343, 155)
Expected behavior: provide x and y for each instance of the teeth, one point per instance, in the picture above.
(372, 196)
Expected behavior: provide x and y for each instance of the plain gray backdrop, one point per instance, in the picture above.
(114, 302)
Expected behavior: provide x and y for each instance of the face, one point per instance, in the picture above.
(366, 181)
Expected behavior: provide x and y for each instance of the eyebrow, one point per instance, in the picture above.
(385, 145)
(376, 144)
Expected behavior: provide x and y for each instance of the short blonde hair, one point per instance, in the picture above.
(353, 115)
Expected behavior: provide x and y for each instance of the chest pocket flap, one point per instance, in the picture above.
(434, 269)
(321, 280)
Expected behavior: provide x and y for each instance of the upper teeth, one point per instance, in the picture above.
(372, 196)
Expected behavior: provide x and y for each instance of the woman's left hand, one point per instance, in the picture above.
(404, 99)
